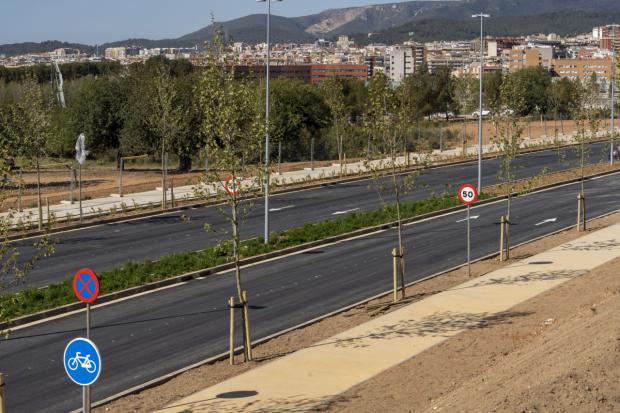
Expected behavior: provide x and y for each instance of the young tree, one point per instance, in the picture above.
(28, 128)
(587, 120)
(166, 119)
(385, 111)
(508, 140)
(443, 90)
(12, 270)
(333, 90)
(466, 97)
(563, 95)
(233, 126)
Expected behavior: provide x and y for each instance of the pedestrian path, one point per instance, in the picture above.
(93, 207)
(313, 376)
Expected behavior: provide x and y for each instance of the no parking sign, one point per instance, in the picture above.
(86, 285)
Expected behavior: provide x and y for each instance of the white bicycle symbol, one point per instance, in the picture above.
(84, 362)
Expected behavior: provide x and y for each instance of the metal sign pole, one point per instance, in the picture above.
(468, 241)
(86, 389)
(80, 186)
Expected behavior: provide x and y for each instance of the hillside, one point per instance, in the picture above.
(47, 46)
(253, 28)
(562, 23)
(429, 20)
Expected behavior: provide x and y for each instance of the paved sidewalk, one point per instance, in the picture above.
(311, 377)
(93, 207)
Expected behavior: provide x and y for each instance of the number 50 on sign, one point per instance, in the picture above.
(468, 194)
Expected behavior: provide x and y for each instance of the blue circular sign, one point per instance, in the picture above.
(82, 361)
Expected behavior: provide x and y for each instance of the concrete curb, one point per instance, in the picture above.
(263, 257)
(288, 188)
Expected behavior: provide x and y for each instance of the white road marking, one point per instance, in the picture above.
(280, 209)
(473, 217)
(546, 221)
(345, 212)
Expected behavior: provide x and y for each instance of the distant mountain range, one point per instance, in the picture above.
(437, 19)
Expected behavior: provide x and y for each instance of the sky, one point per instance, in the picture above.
(100, 21)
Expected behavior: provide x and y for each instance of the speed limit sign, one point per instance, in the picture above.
(468, 194)
(233, 186)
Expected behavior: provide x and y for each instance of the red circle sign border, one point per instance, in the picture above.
(95, 294)
(238, 187)
(473, 188)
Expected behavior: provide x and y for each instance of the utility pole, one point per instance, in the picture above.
(267, 107)
(482, 17)
(613, 92)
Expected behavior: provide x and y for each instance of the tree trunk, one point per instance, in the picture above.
(163, 166)
(39, 193)
(401, 251)
(236, 242)
(339, 144)
(185, 162)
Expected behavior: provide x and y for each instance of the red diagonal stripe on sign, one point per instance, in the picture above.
(85, 287)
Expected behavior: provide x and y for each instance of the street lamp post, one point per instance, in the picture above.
(267, 107)
(613, 92)
(482, 17)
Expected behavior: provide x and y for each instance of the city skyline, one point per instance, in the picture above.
(39, 20)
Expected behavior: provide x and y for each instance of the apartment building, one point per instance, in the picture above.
(582, 69)
(607, 36)
(405, 60)
(115, 53)
(523, 57)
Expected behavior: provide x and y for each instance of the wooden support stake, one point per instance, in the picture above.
(583, 205)
(395, 268)
(579, 212)
(246, 312)
(402, 273)
(120, 178)
(231, 305)
(2, 397)
(501, 238)
(47, 206)
(172, 191)
(507, 236)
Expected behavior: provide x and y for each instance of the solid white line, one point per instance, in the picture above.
(473, 217)
(281, 208)
(345, 212)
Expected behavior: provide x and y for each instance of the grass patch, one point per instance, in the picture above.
(135, 274)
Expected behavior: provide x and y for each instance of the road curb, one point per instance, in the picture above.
(133, 291)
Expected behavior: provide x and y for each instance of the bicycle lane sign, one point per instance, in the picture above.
(82, 361)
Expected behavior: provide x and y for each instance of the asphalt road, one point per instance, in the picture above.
(157, 333)
(108, 246)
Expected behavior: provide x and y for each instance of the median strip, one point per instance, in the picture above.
(137, 277)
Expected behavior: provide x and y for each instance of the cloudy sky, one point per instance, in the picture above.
(100, 21)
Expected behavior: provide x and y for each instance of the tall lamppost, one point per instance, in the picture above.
(482, 17)
(267, 107)
(613, 91)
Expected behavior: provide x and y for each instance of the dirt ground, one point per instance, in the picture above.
(532, 130)
(103, 180)
(562, 355)
(552, 357)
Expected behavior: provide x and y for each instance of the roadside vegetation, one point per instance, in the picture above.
(134, 274)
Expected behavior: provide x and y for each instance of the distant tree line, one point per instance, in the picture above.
(119, 108)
